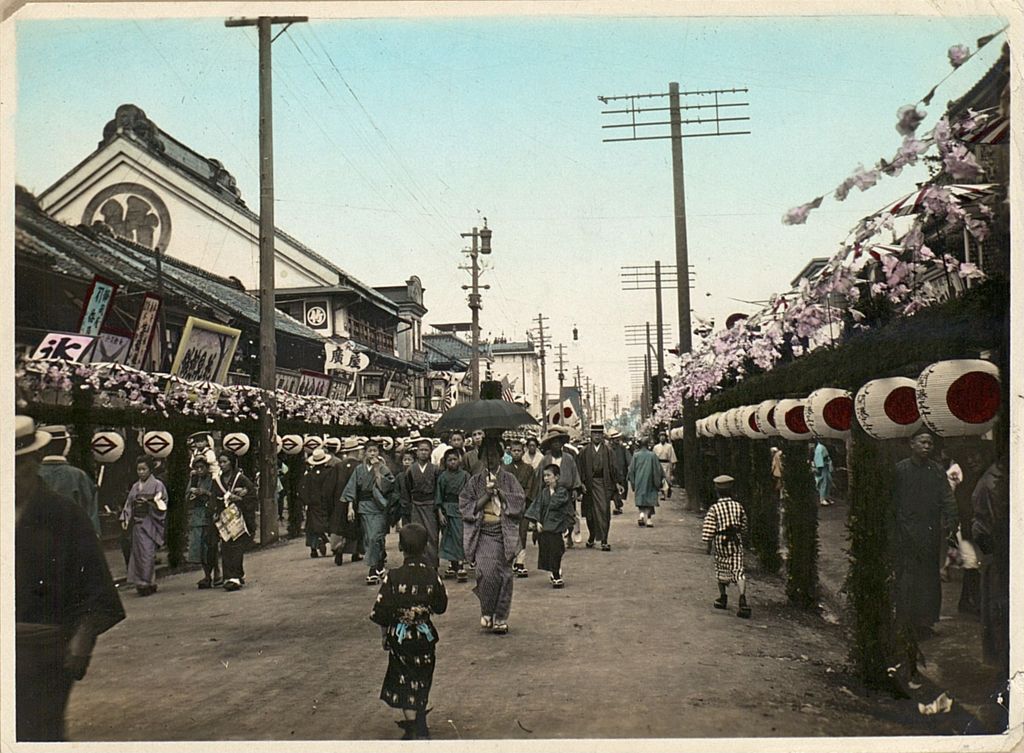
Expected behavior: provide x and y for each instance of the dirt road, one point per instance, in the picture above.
(630, 648)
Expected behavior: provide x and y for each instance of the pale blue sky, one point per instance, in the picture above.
(384, 159)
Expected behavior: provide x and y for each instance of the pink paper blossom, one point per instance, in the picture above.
(908, 118)
(958, 55)
(961, 164)
(798, 215)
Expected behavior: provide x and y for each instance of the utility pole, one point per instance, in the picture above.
(634, 116)
(484, 237)
(604, 404)
(561, 373)
(543, 371)
(639, 334)
(655, 277)
(268, 330)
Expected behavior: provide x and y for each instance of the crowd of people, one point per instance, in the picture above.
(460, 504)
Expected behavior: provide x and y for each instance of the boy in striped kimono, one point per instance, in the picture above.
(725, 528)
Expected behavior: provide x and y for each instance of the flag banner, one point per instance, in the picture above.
(145, 326)
(97, 302)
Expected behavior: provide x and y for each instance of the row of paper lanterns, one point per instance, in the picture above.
(951, 398)
(109, 446)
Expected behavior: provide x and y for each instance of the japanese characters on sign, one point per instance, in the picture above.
(145, 326)
(314, 383)
(345, 358)
(287, 380)
(95, 306)
(110, 347)
(205, 351)
(64, 346)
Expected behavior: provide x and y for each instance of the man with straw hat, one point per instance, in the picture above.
(63, 593)
(65, 479)
(724, 531)
(344, 534)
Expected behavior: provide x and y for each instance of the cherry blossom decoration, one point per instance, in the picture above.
(958, 55)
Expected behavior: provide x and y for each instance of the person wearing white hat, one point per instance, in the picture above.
(667, 455)
(64, 595)
(65, 479)
(724, 532)
(344, 533)
(319, 492)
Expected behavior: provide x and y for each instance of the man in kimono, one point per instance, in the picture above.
(822, 468)
(368, 493)
(533, 456)
(472, 460)
(991, 531)
(450, 483)
(598, 477)
(63, 593)
(553, 447)
(525, 474)
(667, 455)
(647, 479)
(724, 531)
(621, 458)
(420, 490)
(492, 502)
(343, 530)
(68, 480)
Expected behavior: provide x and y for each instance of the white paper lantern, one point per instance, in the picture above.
(702, 428)
(236, 443)
(291, 444)
(829, 413)
(721, 425)
(312, 442)
(790, 419)
(747, 423)
(887, 408)
(107, 446)
(727, 423)
(959, 398)
(157, 444)
(676, 434)
(764, 417)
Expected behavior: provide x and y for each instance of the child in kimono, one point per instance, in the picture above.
(554, 515)
(408, 596)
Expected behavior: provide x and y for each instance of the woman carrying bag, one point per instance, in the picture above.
(236, 519)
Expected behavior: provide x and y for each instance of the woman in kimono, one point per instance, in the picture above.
(233, 487)
(449, 486)
(143, 517)
(408, 596)
(553, 515)
(203, 539)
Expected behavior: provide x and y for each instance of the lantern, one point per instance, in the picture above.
(887, 408)
(959, 398)
(829, 413)
(312, 442)
(291, 444)
(720, 425)
(107, 446)
(236, 443)
(702, 427)
(157, 444)
(748, 414)
(726, 424)
(764, 417)
(790, 419)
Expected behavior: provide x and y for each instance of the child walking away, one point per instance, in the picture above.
(408, 596)
(553, 514)
(725, 527)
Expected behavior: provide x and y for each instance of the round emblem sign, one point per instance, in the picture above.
(291, 444)
(237, 443)
(316, 316)
(107, 446)
(158, 444)
(131, 211)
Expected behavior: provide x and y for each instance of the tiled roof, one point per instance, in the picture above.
(81, 254)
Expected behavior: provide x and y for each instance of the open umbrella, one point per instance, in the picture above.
(484, 414)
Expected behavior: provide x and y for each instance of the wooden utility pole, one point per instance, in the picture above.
(484, 247)
(634, 120)
(561, 373)
(268, 330)
(543, 371)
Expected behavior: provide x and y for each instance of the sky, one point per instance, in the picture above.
(395, 135)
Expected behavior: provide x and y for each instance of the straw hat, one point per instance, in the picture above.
(27, 438)
(723, 480)
(555, 432)
(332, 445)
(319, 457)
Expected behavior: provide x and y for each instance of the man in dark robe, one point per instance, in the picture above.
(991, 531)
(420, 490)
(63, 593)
(621, 458)
(598, 477)
(925, 517)
(344, 532)
(320, 494)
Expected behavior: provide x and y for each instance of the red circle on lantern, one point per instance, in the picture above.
(901, 406)
(771, 416)
(795, 420)
(974, 397)
(752, 423)
(838, 413)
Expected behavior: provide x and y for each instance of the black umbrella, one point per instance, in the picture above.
(485, 415)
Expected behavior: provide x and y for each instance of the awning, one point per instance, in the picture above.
(913, 203)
